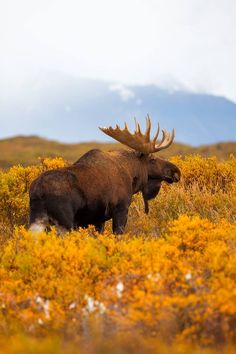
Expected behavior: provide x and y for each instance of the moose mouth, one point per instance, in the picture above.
(169, 180)
(172, 179)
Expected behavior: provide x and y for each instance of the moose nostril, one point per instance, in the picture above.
(176, 176)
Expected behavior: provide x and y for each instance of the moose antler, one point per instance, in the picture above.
(139, 141)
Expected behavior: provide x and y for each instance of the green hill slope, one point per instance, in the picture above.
(27, 150)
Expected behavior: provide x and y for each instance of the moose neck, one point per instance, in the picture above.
(136, 165)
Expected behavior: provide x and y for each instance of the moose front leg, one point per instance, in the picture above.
(119, 220)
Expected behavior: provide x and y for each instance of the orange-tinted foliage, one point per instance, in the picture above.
(167, 285)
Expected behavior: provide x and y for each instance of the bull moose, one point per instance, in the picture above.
(100, 185)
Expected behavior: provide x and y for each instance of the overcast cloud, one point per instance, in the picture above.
(175, 44)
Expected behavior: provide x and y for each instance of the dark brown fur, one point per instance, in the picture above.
(98, 187)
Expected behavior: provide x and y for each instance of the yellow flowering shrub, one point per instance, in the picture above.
(50, 164)
(166, 286)
(14, 188)
(207, 188)
(208, 173)
(179, 286)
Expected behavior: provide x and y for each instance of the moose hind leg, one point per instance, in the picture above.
(61, 215)
(38, 218)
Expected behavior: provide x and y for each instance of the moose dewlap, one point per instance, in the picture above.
(99, 186)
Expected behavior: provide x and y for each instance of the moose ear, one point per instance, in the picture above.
(141, 155)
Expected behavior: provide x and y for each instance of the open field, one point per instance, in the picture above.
(166, 286)
(27, 150)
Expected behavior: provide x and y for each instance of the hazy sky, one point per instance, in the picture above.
(186, 44)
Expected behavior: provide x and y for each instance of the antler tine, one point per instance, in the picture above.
(137, 127)
(157, 133)
(163, 138)
(167, 137)
(126, 127)
(171, 138)
(166, 140)
(148, 128)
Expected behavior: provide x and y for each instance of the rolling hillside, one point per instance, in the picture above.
(27, 150)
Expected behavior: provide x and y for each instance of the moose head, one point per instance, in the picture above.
(158, 170)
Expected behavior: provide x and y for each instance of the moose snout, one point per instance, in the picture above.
(176, 177)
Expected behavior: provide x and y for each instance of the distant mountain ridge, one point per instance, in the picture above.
(70, 109)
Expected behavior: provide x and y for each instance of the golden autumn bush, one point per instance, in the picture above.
(207, 189)
(166, 286)
(14, 188)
